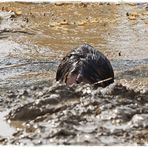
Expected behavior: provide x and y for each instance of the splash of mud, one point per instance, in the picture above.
(80, 114)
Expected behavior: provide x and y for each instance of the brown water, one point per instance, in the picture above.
(34, 37)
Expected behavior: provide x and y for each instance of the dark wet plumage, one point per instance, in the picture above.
(85, 64)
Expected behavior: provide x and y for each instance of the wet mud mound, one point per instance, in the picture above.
(80, 115)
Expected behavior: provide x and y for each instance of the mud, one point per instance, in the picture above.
(80, 115)
(35, 110)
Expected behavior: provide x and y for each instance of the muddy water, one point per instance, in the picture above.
(34, 37)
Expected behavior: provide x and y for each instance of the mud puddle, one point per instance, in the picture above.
(5, 128)
(34, 37)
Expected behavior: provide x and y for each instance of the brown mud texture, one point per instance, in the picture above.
(36, 110)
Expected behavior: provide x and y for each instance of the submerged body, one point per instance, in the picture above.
(85, 64)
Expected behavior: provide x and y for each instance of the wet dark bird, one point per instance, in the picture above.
(85, 64)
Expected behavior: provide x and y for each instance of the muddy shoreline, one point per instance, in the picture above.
(35, 110)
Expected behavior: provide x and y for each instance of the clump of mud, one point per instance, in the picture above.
(80, 115)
